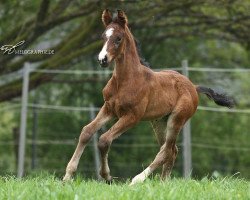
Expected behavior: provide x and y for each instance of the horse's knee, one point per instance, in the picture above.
(103, 143)
(85, 135)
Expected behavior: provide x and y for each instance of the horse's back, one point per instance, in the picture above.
(169, 89)
(180, 83)
(185, 89)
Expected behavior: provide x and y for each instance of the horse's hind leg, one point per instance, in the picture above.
(167, 167)
(167, 153)
(160, 129)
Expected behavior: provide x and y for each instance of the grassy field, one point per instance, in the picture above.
(50, 187)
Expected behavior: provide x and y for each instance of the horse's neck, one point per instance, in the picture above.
(127, 65)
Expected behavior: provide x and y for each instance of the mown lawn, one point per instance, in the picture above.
(52, 188)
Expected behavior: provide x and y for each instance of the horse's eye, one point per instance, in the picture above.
(118, 40)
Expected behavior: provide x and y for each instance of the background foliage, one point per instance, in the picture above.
(208, 33)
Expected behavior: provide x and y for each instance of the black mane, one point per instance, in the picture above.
(142, 60)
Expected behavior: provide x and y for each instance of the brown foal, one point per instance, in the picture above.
(134, 93)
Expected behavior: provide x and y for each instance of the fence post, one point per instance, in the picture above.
(34, 138)
(23, 121)
(95, 148)
(187, 154)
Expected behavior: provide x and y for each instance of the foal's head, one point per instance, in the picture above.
(114, 36)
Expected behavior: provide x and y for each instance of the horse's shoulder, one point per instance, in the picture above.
(109, 90)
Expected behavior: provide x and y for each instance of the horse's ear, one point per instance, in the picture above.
(121, 18)
(106, 17)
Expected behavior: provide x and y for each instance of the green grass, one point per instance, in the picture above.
(50, 187)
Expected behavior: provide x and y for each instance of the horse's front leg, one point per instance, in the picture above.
(123, 124)
(87, 132)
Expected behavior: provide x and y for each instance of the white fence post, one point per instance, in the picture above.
(187, 151)
(23, 121)
(95, 141)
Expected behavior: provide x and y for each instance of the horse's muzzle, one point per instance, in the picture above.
(103, 62)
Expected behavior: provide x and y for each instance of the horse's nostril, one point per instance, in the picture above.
(105, 59)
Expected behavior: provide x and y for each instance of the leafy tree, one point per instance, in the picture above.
(74, 27)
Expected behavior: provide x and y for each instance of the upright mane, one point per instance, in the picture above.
(137, 44)
(142, 59)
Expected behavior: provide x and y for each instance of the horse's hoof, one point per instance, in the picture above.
(109, 181)
(66, 178)
(138, 179)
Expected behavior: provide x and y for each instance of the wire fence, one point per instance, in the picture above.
(47, 108)
(128, 145)
(59, 108)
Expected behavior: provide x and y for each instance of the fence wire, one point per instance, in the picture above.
(46, 108)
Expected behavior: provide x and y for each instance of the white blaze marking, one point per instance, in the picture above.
(141, 177)
(104, 52)
(109, 32)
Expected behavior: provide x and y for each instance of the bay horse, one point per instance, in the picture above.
(135, 92)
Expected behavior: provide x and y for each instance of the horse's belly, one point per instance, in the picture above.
(152, 116)
(158, 109)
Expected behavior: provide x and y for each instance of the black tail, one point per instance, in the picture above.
(219, 99)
